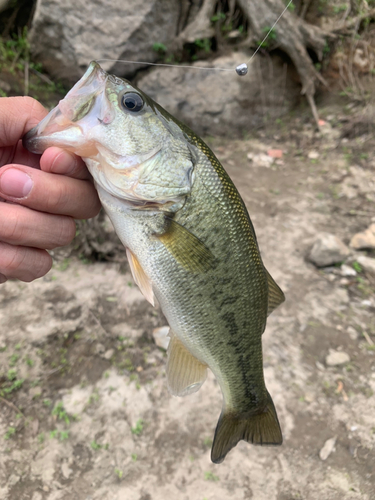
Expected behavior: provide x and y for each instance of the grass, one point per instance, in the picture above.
(61, 413)
(13, 383)
(10, 433)
(96, 446)
(119, 473)
(60, 435)
(210, 476)
(137, 430)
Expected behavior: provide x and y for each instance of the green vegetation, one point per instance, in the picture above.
(61, 413)
(271, 37)
(119, 473)
(207, 441)
(160, 48)
(10, 432)
(357, 267)
(137, 430)
(210, 476)
(218, 17)
(12, 384)
(96, 446)
(60, 435)
(203, 43)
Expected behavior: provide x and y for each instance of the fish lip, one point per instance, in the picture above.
(39, 138)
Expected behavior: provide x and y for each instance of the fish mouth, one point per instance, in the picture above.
(61, 128)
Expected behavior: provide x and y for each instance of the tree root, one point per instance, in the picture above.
(293, 36)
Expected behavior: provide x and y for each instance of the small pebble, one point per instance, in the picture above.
(348, 271)
(353, 334)
(108, 354)
(313, 155)
(328, 448)
(336, 358)
(161, 337)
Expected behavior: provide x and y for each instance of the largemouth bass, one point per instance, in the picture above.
(189, 240)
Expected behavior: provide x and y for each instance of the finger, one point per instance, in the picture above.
(22, 113)
(46, 192)
(23, 263)
(58, 161)
(25, 227)
(18, 154)
(24, 157)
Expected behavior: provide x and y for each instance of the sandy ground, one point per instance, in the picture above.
(85, 413)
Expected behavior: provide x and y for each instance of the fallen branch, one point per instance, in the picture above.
(13, 406)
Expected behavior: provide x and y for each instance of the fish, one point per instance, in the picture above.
(189, 240)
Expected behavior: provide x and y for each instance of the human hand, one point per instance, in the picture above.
(40, 196)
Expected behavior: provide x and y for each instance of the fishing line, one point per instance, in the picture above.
(241, 69)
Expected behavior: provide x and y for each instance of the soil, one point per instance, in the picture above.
(85, 413)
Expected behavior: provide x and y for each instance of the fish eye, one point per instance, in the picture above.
(132, 102)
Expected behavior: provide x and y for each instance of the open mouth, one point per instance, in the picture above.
(67, 125)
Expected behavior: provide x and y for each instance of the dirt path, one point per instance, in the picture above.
(79, 360)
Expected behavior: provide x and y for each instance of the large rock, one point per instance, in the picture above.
(221, 102)
(327, 250)
(67, 35)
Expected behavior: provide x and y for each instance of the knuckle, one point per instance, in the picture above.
(10, 227)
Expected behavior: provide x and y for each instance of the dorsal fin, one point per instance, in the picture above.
(275, 294)
(185, 373)
(140, 277)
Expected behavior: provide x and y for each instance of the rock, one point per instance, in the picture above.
(313, 155)
(360, 181)
(347, 271)
(364, 240)
(275, 153)
(66, 470)
(336, 358)
(353, 334)
(99, 349)
(261, 160)
(161, 337)
(220, 103)
(66, 36)
(108, 354)
(328, 249)
(35, 392)
(328, 448)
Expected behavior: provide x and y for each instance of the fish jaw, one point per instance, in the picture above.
(68, 125)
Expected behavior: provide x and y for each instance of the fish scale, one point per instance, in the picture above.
(189, 240)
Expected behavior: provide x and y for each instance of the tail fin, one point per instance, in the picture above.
(262, 428)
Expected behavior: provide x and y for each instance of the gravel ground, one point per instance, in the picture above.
(84, 410)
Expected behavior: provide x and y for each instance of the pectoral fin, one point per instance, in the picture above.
(185, 373)
(140, 277)
(275, 294)
(186, 248)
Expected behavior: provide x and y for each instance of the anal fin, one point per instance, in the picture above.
(261, 428)
(140, 277)
(185, 373)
